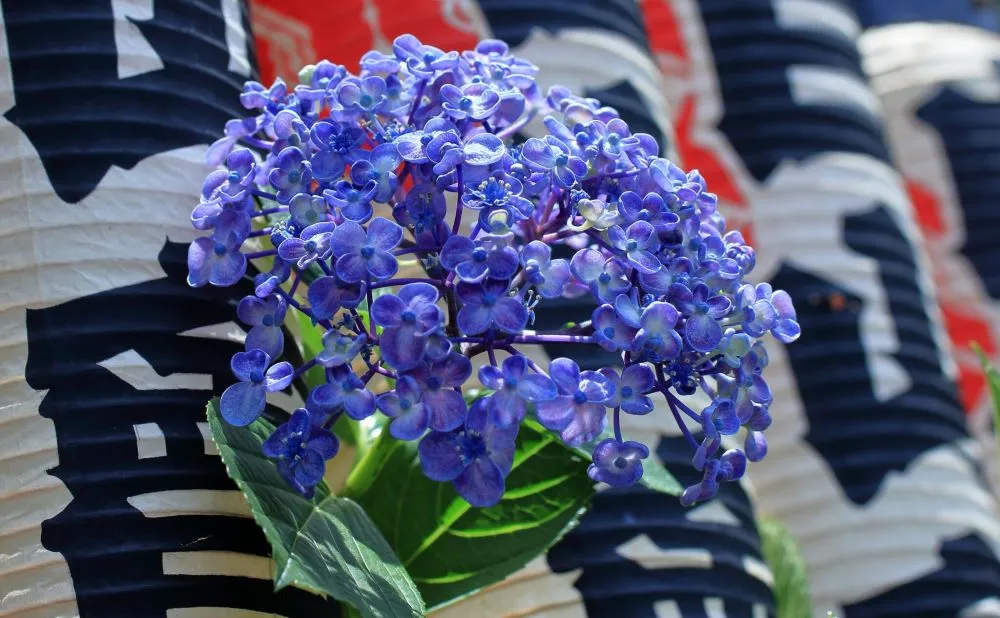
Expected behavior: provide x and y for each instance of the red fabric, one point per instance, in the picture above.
(293, 33)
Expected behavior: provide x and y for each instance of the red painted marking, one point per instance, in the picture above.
(663, 29)
(342, 30)
(927, 208)
(964, 328)
(424, 20)
(696, 156)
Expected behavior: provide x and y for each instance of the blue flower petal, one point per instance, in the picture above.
(411, 425)
(439, 456)
(481, 484)
(702, 332)
(401, 347)
(242, 403)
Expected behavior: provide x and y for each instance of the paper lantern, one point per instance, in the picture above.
(870, 463)
(941, 91)
(980, 13)
(113, 501)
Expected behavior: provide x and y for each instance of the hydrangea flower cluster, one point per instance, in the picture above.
(330, 185)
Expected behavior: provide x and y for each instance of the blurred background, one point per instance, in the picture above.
(855, 143)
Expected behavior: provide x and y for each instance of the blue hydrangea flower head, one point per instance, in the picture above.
(393, 207)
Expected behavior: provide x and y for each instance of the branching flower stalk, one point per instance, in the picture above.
(305, 172)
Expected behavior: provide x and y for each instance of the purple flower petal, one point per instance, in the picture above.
(422, 291)
(471, 271)
(446, 409)
(384, 234)
(325, 444)
(269, 339)
(556, 414)
(473, 319)
(755, 446)
(359, 404)
(644, 261)
(481, 484)
(483, 149)
(246, 364)
(401, 347)
(719, 307)
(453, 370)
(310, 468)
(439, 456)
(278, 377)
(587, 265)
(382, 265)
(510, 315)
(410, 425)
(536, 387)
(348, 238)
(506, 408)
(242, 403)
(566, 374)
(386, 310)
(352, 268)
(490, 376)
(587, 423)
(503, 263)
(702, 333)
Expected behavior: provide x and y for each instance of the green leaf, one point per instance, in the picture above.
(993, 379)
(655, 475)
(452, 549)
(327, 545)
(791, 582)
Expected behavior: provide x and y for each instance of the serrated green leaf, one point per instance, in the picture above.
(328, 545)
(452, 549)
(655, 475)
(791, 581)
(993, 379)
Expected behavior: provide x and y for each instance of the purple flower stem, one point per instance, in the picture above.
(304, 368)
(593, 234)
(270, 211)
(513, 351)
(265, 195)
(359, 322)
(458, 207)
(529, 339)
(618, 425)
(264, 232)
(549, 205)
(325, 268)
(258, 143)
(294, 303)
(489, 348)
(514, 128)
(409, 250)
(295, 282)
(416, 101)
(261, 254)
(403, 281)
(553, 339)
(682, 426)
(680, 405)
(708, 389)
(557, 236)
